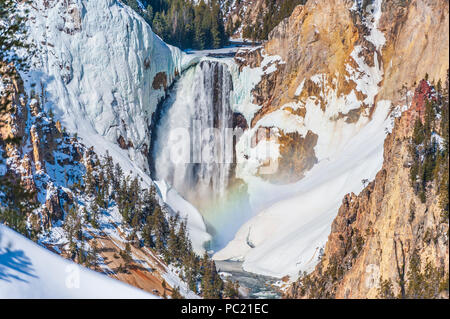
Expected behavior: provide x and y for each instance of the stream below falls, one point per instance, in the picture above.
(252, 286)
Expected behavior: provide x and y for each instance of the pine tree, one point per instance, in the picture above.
(160, 229)
(418, 133)
(126, 255)
(444, 158)
(385, 291)
(231, 290)
(172, 246)
(176, 293)
(118, 175)
(147, 232)
(95, 254)
(164, 286)
(94, 214)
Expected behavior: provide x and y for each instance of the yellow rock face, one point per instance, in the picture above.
(375, 233)
(318, 38)
(417, 43)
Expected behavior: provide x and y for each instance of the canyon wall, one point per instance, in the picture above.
(103, 72)
(348, 52)
(328, 82)
(388, 242)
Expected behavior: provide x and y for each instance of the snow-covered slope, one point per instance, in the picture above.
(30, 271)
(286, 236)
(101, 71)
(98, 64)
(195, 224)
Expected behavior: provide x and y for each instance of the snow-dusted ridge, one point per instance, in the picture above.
(30, 271)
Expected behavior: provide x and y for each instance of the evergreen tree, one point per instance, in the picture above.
(231, 290)
(164, 286)
(186, 24)
(147, 232)
(95, 254)
(160, 229)
(176, 293)
(126, 255)
(12, 33)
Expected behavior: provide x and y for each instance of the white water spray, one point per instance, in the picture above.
(198, 111)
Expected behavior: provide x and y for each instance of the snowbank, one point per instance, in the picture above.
(195, 223)
(30, 271)
(288, 234)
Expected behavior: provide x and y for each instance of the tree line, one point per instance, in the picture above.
(152, 225)
(186, 24)
(429, 148)
(276, 11)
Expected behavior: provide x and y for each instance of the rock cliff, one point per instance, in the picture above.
(348, 52)
(387, 241)
(331, 77)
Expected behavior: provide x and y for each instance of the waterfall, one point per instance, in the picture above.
(197, 117)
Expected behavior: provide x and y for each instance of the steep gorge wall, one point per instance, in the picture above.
(329, 59)
(329, 71)
(349, 52)
(324, 34)
(378, 233)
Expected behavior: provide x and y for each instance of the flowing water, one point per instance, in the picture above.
(251, 285)
(193, 148)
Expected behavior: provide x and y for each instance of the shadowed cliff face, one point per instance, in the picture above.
(384, 239)
(40, 150)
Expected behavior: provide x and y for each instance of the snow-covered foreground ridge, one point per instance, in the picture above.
(30, 271)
